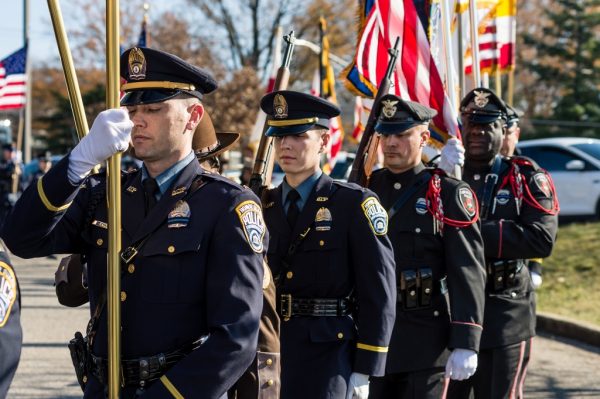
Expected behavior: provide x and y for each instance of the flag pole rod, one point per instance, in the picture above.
(114, 207)
(77, 108)
(27, 116)
(475, 43)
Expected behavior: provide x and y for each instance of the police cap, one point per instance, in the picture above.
(483, 106)
(397, 115)
(153, 76)
(8, 147)
(293, 112)
(512, 116)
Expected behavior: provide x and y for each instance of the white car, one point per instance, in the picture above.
(574, 164)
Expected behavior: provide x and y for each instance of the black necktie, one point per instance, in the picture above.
(293, 210)
(150, 187)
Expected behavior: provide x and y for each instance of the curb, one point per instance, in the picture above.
(569, 328)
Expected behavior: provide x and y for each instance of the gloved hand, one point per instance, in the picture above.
(358, 386)
(536, 279)
(461, 364)
(109, 134)
(452, 154)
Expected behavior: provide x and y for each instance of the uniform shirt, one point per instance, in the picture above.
(166, 178)
(304, 189)
(11, 334)
(425, 334)
(515, 229)
(199, 272)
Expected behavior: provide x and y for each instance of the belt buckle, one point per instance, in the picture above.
(128, 254)
(286, 308)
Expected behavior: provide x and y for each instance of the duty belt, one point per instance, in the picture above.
(502, 274)
(319, 307)
(417, 287)
(144, 369)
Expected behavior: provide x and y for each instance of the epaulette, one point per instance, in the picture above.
(351, 186)
(217, 177)
(524, 162)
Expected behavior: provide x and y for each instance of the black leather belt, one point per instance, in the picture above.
(144, 369)
(319, 307)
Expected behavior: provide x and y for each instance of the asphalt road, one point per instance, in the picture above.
(560, 368)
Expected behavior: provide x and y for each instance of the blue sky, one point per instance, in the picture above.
(42, 41)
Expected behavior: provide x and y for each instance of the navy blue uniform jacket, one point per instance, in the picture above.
(201, 279)
(11, 335)
(347, 253)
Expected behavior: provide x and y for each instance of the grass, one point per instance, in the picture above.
(572, 274)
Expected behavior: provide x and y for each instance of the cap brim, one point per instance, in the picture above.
(226, 140)
(151, 96)
(389, 128)
(481, 118)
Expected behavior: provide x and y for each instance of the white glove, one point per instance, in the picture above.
(109, 134)
(461, 364)
(452, 154)
(536, 280)
(358, 386)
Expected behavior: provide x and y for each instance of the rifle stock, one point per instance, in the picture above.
(263, 163)
(367, 148)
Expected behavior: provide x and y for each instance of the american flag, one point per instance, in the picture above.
(13, 80)
(416, 78)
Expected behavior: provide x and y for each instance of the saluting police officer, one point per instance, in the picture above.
(332, 260)
(193, 241)
(435, 231)
(518, 208)
(11, 334)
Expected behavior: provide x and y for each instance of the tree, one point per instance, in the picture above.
(564, 54)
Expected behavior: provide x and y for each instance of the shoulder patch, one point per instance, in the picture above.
(376, 215)
(541, 181)
(8, 292)
(465, 196)
(250, 216)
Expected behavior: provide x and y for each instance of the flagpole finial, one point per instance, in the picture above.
(146, 7)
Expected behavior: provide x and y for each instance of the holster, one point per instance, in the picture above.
(80, 357)
(417, 287)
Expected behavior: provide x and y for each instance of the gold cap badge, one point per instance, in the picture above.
(389, 108)
(280, 107)
(137, 64)
(481, 98)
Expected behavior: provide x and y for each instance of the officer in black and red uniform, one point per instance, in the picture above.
(332, 260)
(518, 208)
(193, 241)
(435, 231)
(11, 334)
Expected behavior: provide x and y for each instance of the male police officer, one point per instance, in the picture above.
(331, 257)
(193, 241)
(518, 209)
(11, 335)
(439, 256)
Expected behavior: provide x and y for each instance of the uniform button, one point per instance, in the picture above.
(427, 290)
(340, 335)
(417, 230)
(123, 296)
(62, 268)
(289, 275)
(269, 362)
(397, 186)
(171, 249)
(84, 378)
(500, 278)
(513, 294)
(131, 268)
(99, 241)
(286, 319)
(413, 293)
(436, 313)
(270, 383)
(321, 243)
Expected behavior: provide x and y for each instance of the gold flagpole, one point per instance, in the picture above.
(114, 207)
(69, 69)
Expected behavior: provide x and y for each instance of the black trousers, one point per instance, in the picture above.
(423, 384)
(500, 374)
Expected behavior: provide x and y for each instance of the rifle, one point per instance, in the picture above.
(263, 163)
(367, 148)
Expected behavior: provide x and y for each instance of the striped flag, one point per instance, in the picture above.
(13, 80)
(362, 109)
(497, 38)
(416, 77)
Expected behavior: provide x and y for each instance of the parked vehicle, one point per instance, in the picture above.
(574, 164)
